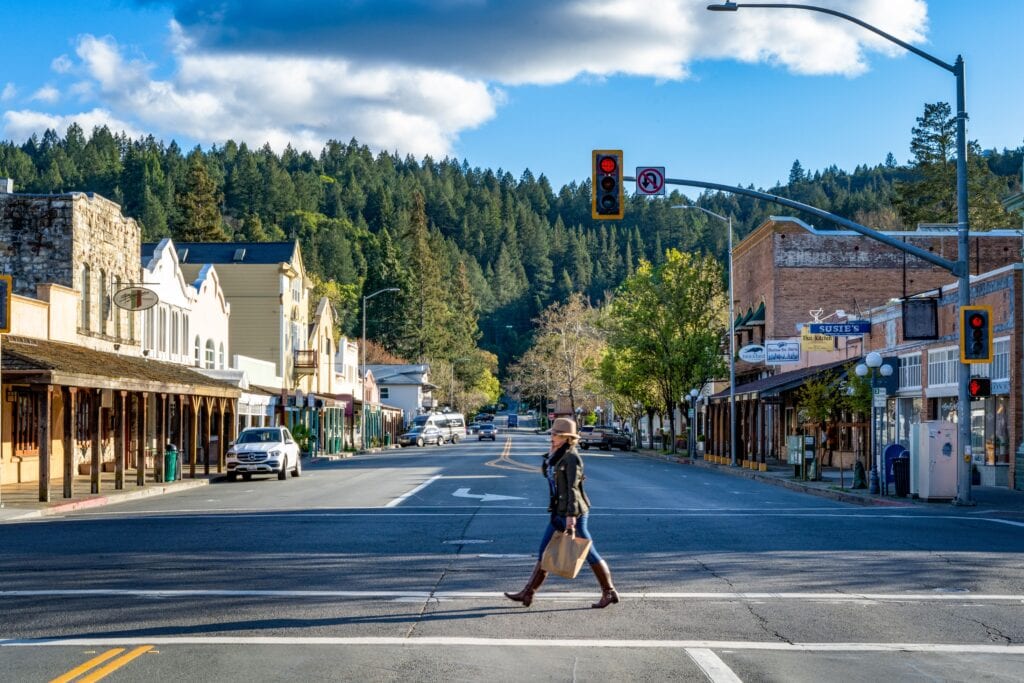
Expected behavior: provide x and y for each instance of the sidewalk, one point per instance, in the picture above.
(21, 501)
(986, 498)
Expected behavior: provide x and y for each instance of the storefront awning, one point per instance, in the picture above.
(40, 361)
(776, 384)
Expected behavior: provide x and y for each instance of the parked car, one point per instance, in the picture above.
(264, 450)
(605, 438)
(452, 425)
(421, 436)
(487, 431)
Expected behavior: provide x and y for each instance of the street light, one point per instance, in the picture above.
(963, 480)
(362, 365)
(691, 420)
(873, 366)
(732, 336)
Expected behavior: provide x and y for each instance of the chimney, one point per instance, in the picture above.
(6, 185)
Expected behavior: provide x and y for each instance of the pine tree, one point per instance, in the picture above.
(199, 216)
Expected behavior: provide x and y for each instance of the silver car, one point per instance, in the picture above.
(264, 450)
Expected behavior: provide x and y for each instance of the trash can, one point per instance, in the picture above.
(171, 462)
(901, 472)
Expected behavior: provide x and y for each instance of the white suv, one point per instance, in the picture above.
(264, 450)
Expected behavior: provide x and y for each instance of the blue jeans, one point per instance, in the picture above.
(558, 524)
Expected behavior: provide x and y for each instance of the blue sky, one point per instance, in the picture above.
(722, 97)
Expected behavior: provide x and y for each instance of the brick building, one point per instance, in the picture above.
(784, 271)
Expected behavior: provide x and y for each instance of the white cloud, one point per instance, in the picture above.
(413, 80)
(47, 94)
(20, 125)
(62, 64)
(8, 92)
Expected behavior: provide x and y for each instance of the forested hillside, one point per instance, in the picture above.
(463, 243)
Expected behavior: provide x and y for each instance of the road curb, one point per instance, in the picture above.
(798, 486)
(113, 498)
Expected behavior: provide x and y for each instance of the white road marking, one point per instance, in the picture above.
(483, 497)
(777, 646)
(712, 665)
(398, 501)
(547, 595)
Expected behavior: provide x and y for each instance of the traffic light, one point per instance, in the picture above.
(975, 334)
(979, 387)
(608, 199)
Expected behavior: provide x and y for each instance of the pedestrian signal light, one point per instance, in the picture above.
(975, 334)
(608, 199)
(979, 387)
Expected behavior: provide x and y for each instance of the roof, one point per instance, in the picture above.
(784, 381)
(248, 253)
(40, 361)
(400, 374)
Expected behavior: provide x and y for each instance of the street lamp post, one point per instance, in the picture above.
(732, 335)
(962, 271)
(873, 366)
(691, 420)
(362, 366)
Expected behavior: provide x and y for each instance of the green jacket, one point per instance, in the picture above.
(568, 497)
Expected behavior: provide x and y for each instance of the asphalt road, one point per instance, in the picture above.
(390, 567)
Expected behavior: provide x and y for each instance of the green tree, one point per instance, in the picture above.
(199, 215)
(670, 320)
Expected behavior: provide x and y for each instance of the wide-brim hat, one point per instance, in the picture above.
(564, 426)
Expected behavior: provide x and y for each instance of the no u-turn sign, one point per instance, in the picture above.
(650, 180)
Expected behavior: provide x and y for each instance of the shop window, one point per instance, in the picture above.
(26, 425)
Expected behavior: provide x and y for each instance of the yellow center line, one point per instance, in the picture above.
(504, 461)
(116, 664)
(95, 661)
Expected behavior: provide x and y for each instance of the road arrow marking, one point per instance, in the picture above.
(484, 498)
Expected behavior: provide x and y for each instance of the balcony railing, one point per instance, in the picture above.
(305, 362)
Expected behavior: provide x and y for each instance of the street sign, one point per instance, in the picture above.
(849, 329)
(879, 398)
(781, 351)
(650, 180)
(6, 285)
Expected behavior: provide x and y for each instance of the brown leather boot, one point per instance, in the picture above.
(525, 596)
(604, 577)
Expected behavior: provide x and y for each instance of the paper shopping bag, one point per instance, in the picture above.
(564, 554)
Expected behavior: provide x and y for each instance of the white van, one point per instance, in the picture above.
(452, 425)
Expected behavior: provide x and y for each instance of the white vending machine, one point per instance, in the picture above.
(936, 462)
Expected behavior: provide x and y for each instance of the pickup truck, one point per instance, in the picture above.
(605, 438)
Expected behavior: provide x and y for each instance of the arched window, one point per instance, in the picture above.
(220, 357)
(149, 331)
(162, 338)
(175, 333)
(116, 310)
(210, 354)
(197, 353)
(86, 298)
(184, 334)
(101, 303)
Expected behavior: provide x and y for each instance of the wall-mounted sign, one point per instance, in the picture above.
(135, 298)
(6, 285)
(848, 329)
(781, 351)
(752, 353)
(816, 342)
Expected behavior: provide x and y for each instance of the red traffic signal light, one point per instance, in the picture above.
(975, 334)
(979, 387)
(608, 200)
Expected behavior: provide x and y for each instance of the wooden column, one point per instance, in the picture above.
(207, 430)
(44, 410)
(95, 409)
(120, 442)
(140, 443)
(194, 436)
(159, 473)
(222, 441)
(70, 408)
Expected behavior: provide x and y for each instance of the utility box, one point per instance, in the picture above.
(936, 464)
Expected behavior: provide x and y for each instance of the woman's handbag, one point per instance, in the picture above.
(564, 554)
